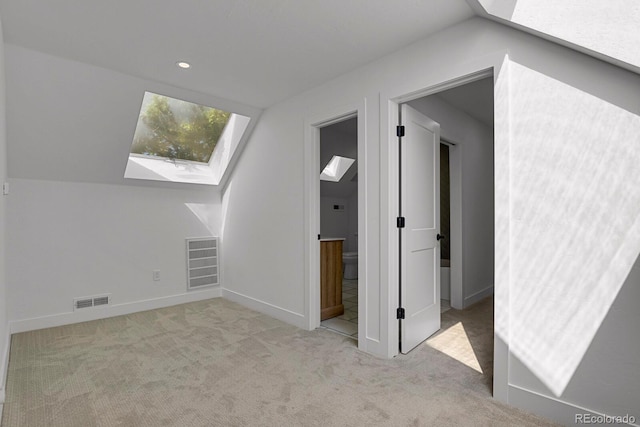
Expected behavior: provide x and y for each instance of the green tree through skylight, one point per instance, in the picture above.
(177, 129)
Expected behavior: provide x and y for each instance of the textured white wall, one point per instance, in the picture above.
(352, 232)
(334, 223)
(475, 142)
(610, 28)
(262, 219)
(74, 239)
(78, 227)
(4, 332)
(260, 212)
(71, 121)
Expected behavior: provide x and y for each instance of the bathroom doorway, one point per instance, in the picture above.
(339, 227)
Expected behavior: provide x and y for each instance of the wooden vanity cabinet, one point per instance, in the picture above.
(331, 279)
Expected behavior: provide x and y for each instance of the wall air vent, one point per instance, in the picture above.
(101, 301)
(88, 302)
(202, 262)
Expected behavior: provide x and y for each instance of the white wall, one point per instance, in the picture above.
(77, 227)
(85, 116)
(71, 121)
(4, 332)
(475, 144)
(334, 223)
(263, 260)
(75, 239)
(352, 240)
(261, 213)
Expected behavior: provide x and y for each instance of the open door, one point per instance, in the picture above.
(419, 248)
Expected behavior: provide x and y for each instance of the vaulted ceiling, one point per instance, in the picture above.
(252, 51)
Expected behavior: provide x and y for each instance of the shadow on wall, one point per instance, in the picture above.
(573, 156)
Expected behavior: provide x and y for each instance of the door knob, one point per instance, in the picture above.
(440, 237)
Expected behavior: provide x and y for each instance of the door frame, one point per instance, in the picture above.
(389, 113)
(455, 221)
(312, 128)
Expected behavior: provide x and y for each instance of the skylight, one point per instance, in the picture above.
(180, 141)
(336, 168)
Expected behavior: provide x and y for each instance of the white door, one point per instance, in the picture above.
(420, 207)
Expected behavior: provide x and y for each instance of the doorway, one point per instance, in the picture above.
(354, 113)
(339, 227)
(466, 265)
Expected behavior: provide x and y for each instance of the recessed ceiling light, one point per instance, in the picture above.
(183, 64)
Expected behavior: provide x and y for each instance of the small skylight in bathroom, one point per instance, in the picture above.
(336, 168)
(180, 141)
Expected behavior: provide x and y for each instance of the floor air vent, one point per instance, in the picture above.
(88, 302)
(202, 262)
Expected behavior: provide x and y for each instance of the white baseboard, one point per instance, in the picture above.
(287, 316)
(478, 296)
(33, 324)
(551, 408)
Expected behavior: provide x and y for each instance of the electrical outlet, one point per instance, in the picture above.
(156, 275)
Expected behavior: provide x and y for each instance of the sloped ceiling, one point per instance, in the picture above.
(252, 51)
(607, 30)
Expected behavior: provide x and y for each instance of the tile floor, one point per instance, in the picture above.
(346, 324)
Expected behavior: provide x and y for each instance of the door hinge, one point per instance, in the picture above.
(318, 237)
(400, 131)
(400, 222)
(400, 313)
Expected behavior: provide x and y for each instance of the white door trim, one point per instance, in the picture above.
(312, 127)
(392, 104)
(455, 222)
(492, 65)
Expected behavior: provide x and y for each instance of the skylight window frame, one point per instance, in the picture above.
(336, 160)
(209, 173)
(170, 160)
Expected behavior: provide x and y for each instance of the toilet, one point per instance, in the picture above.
(350, 263)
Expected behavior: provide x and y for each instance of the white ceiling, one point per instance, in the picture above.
(475, 99)
(256, 52)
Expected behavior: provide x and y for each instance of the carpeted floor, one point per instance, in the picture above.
(214, 363)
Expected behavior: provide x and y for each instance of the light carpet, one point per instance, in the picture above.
(216, 363)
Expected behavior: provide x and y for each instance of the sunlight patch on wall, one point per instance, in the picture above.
(208, 215)
(502, 201)
(454, 342)
(607, 27)
(575, 209)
